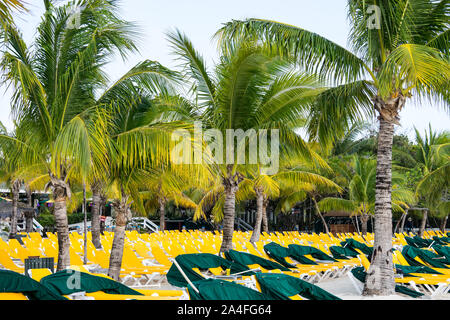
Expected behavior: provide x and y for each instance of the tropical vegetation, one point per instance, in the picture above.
(78, 134)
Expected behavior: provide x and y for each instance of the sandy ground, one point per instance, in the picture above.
(343, 288)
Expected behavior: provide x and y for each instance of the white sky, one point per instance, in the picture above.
(200, 19)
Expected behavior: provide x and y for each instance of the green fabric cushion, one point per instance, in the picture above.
(418, 242)
(343, 253)
(247, 259)
(14, 282)
(443, 251)
(66, 282)
(433, 259)
(299, 250)
(278, 253)
(406, 270)
(282, 286)
(353, 244)
(201, 261)
(214, 289)
(441, 240)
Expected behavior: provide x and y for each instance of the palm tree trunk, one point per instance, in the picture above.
(320, 215)
(231, 185)
(364, 220)
(259, 215)
(423, 224)
(265, 223)
(62, 229)
(102, 210)
(162, 213)
(61, 192)
(85, 225)
(115, 260)
(95, 219)
(443, 224)
(15, 189)
(380, 276)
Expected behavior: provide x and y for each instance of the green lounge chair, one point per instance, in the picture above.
(214, 289)
(282, 287)
(13, 282)
(202, 261)
(244, 258)
(58, 282)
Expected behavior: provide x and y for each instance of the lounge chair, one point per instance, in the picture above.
(215, 289)
(13, 285)
(285, 287)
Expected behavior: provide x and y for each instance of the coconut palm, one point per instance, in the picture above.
(140, 133)
(248, 90)
(167, 185)
(292, 180)
(398, 49)
(434, 187)
(10, 165)
(361, 193)
(432, 158)
(428, 155)
(430, 149)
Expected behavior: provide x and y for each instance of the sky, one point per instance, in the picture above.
(200, 19)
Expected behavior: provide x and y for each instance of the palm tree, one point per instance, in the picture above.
(401, 52)
(140, 132)
(361, 193)
(10, 167)
(247, 90)
(60, 125)
(96, 188)
(435, 186)
(429, 154)
(295, 179)
(167, 185)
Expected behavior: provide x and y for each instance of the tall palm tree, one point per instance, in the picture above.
(433, 160)
(10, 172)
(167, 185)
(248, 90)
(429, 149)
(295, 179)
(361, 193)
(140, 132)
(399, 53)
(435, 187)
(54, 82)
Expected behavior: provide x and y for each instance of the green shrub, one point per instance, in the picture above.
(48, 219)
